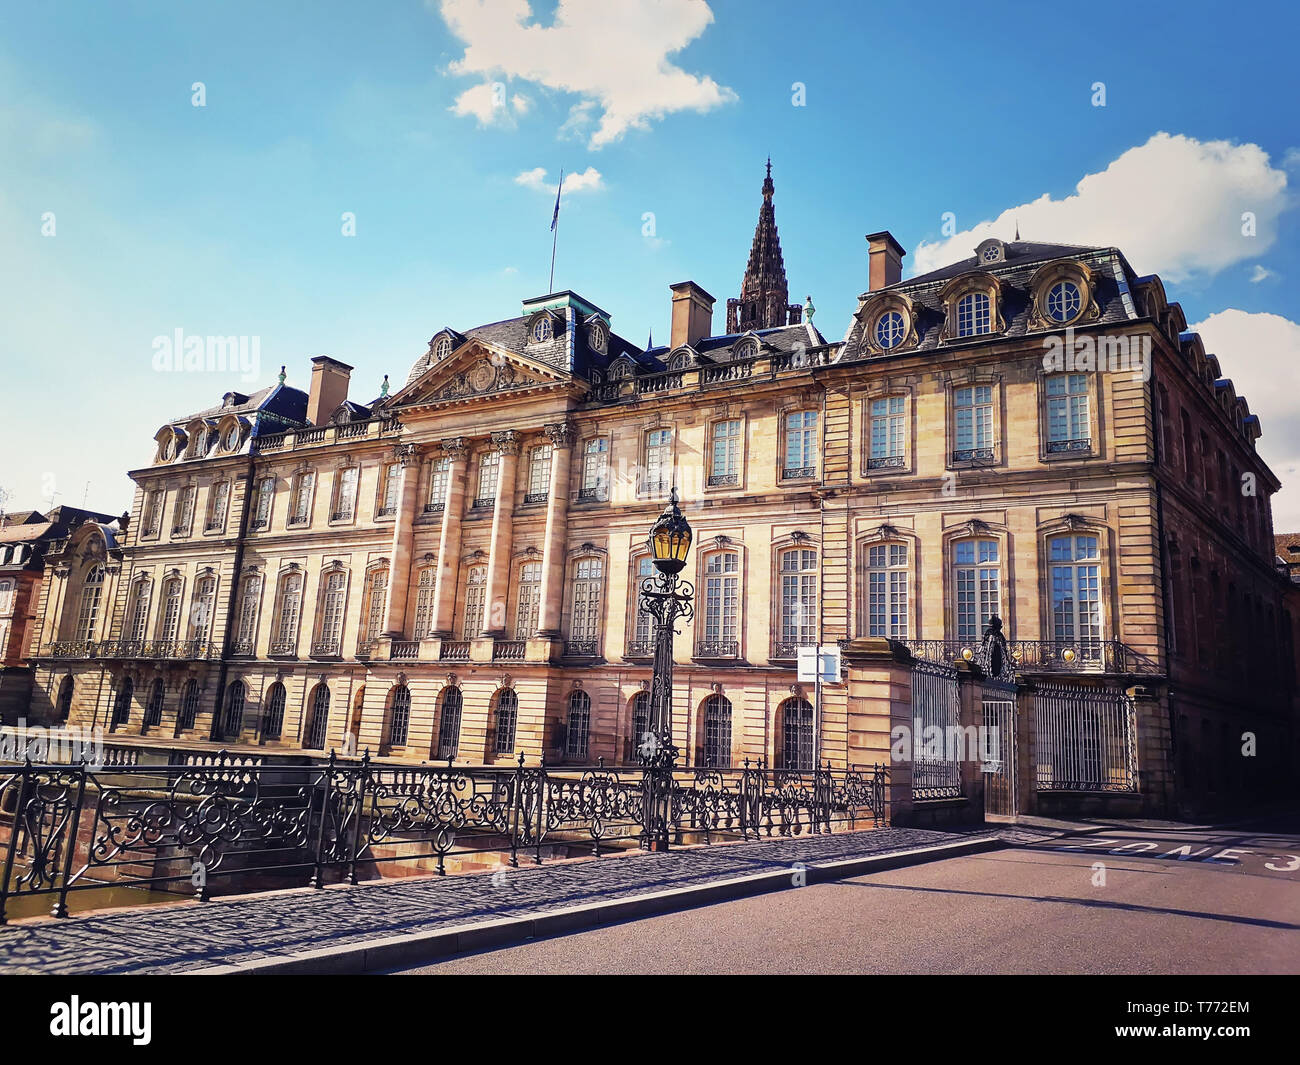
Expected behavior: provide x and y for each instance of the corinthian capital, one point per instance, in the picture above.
(506, 441)
(455, 447)
(560, 434)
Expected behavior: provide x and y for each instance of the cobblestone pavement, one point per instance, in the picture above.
(178, 938)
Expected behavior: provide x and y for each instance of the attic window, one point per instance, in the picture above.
(441, 348)
(746, 349)
(543, 330)
(597, 336)
(991, 251)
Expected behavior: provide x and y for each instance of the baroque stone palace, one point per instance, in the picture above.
(450, 570)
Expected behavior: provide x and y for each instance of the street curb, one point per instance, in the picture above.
(393, 952)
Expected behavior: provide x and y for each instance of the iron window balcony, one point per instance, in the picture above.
(723, 480)
(1064, 447)
(973, 454)
(485, 502)
(537, 497)
(385, 512)
(283, 647)
(640, 649)
(799, 473)
(341, 515)
(327, 648)
(717, 649)
(592, 495)
(885, 462)
(297, 520)
(581, 648)
(434, 508)
(789, 649)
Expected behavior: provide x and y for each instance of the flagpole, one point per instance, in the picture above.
(555, 231)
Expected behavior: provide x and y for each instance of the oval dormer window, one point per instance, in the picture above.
(597, 337)
(232, 438)
(1064, 301)
(441, 348)
(889, 330)
(542, 330)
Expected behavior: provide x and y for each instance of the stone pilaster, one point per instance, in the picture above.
(503, 510)
(561, 436)
(444, 589)
(399, 572)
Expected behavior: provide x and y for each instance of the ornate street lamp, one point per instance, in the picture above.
(667, 600)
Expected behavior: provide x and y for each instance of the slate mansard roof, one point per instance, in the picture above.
(1114, 279)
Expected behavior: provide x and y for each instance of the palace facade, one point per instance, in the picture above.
(449, 570)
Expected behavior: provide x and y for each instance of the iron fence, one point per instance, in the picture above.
(240, 824)
(1086, 739)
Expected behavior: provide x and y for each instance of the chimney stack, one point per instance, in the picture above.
(692, 313)
(329, 388)
(886, 260)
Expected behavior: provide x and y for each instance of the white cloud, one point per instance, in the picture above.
(1173, 205)
(486, 103)
(1261, 353)
(589, 180)
(521, 103)
(613, 54)
(1261, 273)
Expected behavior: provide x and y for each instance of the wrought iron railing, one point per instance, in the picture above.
(973, 454)
(717, 648)
(589, 495)
(250, 827)
(789, 649)
(434, 508)
(640, 649)
(536, 497)
(581, 648)
(885, 462)
(799, 473)
(1043, 656)
(724, 480)
(1058, 447)
(133, 649)
(326, 648)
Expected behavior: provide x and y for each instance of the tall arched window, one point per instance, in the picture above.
(273, 719)
(376, 597)
(530, 598)
(154, 708)
(201, 611)
(424, 604)
(507, 717)
(169, 623)
(92, 591)
(716, 752)
(138, 618)
(887, 598)
(797, 735)
(122, 704)
(798, 599)
(1074, 563)
(977, 578)
(232, 723)
(246, 630)
(288, 611)
(449, 724)
(579, 734)
(329, 638)
(399, 715)
(318, 723)
(640, 724)
(189, 706)
(63, 707)
(721, 605)
(475, 596)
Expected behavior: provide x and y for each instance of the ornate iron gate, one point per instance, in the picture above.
(1000, 748)
(1086, 739)
(935, 706)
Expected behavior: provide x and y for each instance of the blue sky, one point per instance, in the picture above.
(226, 219)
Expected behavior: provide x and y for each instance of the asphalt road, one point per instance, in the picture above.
(1169, 899)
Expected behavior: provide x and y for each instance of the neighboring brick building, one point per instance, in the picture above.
(24, 538)
(450, 570)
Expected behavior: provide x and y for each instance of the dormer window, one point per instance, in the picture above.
(991, 251)
(597, 336)
(543, 330)
(890, 330)
(746, 349)
(441, 347)
(1064, 302)
(973, 315)
(231, 441)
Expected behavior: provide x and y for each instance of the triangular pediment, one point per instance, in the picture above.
(478, 370)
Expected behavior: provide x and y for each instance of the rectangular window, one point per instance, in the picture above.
(265, 497)
(392, 482)
(1075, 567)
(438, 480)
(800, 446)
(658, 460)
(153, 514)
(887, 433)
(475, 597)
(721, 605)
(217, 506)
(643, 630)
(489, 473)
(184, 512)
(724, 468)
(887, 590)
(530, 598)
(376, 597)
(424, 604)
(595, 470)
(300, 505)
(345, 505)
(974, 422)
(586, 623)
(1067, 413)
(977, 576)
(331, 627)
(539, 473)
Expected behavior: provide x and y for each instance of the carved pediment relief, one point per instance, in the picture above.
(483, 376)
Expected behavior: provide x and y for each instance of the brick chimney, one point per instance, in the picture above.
(692, 313)
(886, 260)
(329, 388)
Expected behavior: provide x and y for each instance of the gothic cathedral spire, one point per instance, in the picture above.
(764, 301)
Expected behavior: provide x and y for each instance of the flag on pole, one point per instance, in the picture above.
(555, 218)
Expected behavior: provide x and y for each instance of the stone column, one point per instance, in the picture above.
(399, 565)
(561, 436)
(503, 510)
(444, 589)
